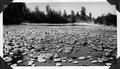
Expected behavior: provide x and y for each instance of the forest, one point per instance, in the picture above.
(17, 13)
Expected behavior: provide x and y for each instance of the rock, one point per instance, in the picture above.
(56, 38)
(33, 50)
(25, 53)
(11, 53)
(85, 65)
(107, 54)
(88, 52)
(20, 61)
(70, 60)
(41, 60)
(6, 52)
(8, 59)
(11, 44)
(72, 41)
(82, 58)
(55, 55)
(68, 50)
(16, 49)
(43, 51)
(32, 59)
(35, 57)
(94, 61)
(46, 49)
(51, 47)
(88, 57)
(21, 49)
(64, 60)
(57, 59)
(106, 50)
(75, 62)
(110, 51)
(26, 49)
(58, 64)
(31, 55)
(59, 50)
(111, 58)
(30, 62)
(58, 46)
(33, 65)
(108, 64)
(105, 59)
(13, 65)
(99, 60)
(45, 55)
(91, 50)
(91, 58)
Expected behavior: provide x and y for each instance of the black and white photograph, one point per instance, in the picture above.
(60, 34)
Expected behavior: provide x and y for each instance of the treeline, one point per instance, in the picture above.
(16, 13)
(109, 19)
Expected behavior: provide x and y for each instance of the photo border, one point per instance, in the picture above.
(63, 67)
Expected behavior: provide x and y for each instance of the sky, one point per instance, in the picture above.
(96, 8)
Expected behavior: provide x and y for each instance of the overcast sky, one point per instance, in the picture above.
(96, 8)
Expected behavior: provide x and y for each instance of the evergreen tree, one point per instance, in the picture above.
(77, 14)
(65, 14)
(83, 13)
(54, 16)
(59, 13)
(90, 15)
(72, 16)
(14, 13)
(48, 10)
(108, 19)
(40, 16)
